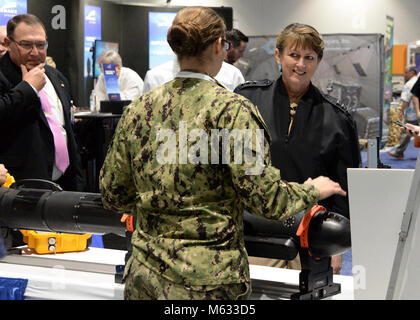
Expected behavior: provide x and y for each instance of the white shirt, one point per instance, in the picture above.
(130, 83)
(407, 96)
(229, 76)
(57, 110)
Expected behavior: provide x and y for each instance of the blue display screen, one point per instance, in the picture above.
(101, 46)
(159, 49)
(92, 32)
(11, 8)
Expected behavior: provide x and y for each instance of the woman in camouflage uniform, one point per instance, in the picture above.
(187, 193)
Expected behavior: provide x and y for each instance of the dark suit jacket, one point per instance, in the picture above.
(26, 141)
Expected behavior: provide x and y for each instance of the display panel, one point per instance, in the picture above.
(159, 49)
(92, 32)
(11, 8)
(351, 70)
(101, 46)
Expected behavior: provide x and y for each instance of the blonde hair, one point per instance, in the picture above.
(50, 61)
(110, 55)
(298, 34)
(194, 29)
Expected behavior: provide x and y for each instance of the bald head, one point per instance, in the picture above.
(3, 34)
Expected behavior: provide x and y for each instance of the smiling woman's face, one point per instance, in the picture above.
(298, 66)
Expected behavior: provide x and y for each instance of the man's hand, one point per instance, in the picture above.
(337, 263)
(3, 174)
(326, 187)
(35, 77)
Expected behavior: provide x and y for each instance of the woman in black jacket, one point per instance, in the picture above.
(312, 134)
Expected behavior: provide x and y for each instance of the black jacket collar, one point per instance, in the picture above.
(310, 93)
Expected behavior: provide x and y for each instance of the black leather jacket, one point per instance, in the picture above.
(323, 138)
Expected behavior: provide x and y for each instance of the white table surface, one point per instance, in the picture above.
(58, 282)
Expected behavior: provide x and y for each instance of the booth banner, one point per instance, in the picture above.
(159, 49)
(11, 8)
(351, 70)
(101, 46)
(92, 32)
(388, 42)
(388, 114)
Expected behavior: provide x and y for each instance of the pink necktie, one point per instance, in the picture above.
(61, 152)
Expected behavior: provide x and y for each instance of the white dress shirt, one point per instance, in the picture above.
(130, 83)
(229, 76)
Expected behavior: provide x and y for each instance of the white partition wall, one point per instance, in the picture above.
(378, 198)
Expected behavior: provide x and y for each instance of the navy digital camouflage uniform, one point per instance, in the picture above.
(189, 228)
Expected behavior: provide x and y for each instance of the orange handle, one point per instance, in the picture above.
(303, 229)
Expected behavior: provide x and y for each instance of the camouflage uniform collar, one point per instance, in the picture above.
(197, 75)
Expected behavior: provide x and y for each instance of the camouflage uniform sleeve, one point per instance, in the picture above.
(115, 180)
(258, 184)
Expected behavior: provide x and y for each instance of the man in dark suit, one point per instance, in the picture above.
(37, 139)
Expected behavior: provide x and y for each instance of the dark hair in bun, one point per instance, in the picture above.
(193, 29)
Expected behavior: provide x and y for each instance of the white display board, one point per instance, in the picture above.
(405, 281)
(378, 198)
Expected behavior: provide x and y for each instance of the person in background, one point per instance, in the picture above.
(3, 34)
(188, 241)
(416, 95)
(229, 76)
(50, 61)
(406, 108)
(36, 133)
(130, 83)
(238, 43)
(312, 134)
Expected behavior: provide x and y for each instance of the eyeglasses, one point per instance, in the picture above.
(28, 46)
(227, 44)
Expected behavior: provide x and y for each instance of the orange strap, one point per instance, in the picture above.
(303, 229)
(129, 222)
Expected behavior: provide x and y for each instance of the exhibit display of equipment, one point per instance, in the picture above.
(316, 235)
(351, 71)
